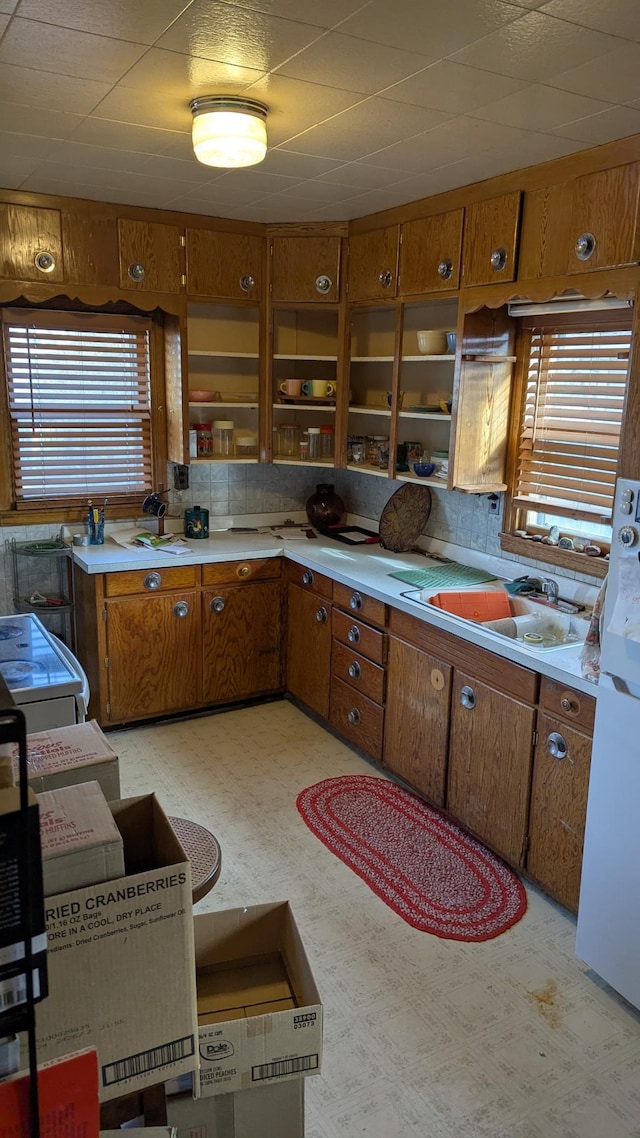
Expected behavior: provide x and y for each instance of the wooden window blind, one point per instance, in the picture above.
(573, 402)
(79, 405)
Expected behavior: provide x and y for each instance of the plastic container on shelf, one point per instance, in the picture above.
(327, 442)
(289, 440)
(204, 440)
(314, 444)
(246, 446)
(222, 438)
(304, 445)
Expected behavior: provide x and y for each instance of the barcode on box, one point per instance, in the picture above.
(146, 1061)
(14, 992)
(284, 1067)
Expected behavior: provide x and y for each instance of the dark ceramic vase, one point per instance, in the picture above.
(325, 508)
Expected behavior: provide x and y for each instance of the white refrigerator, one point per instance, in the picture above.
(608, 937)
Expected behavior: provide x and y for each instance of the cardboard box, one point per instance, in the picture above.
(68, 755)
(13, 993)
(81, 844)
(275, 1111)
(259, 1011)
(121, 975)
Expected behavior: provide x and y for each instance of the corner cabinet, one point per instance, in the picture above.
(226, 265)
(373, 264)
(430, 253)
(150, 256)
(305, 269)
(309, 637)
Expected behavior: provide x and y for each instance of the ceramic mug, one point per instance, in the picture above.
(319, 388)
(291, 387)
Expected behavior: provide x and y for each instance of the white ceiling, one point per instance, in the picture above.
(371, 104)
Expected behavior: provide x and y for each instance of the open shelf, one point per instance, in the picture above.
(440, 416)
(300, 356)
(224, 355)
(365, 468)
(424, 359)
(222, 403)
(383, 411)
(372, 359)
(327, 408)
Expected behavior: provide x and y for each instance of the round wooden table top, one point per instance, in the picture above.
(203, 852)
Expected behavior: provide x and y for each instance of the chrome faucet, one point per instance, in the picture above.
(550, 590)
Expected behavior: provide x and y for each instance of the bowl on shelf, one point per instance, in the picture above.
(424, 469)
(197, 396)
(432, 343)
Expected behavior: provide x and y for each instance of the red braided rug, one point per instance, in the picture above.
(423, 866)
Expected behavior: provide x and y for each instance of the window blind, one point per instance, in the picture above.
(79, 403)
(572, 414)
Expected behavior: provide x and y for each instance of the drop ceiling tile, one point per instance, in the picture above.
(294, 105)
(448, 86)
(162, 166)
(325, 15)
(617, 17)
(125, 136)
(80, 156)
(539, 108)
(28, 43)
(178, 144)
(53, 92)
(617, 122)
(351, 64)
(14, 170)
(184, 77)
(367, 128)
(39, 121)
(272, 210)
(140, 22)
(313, 192)
(527, 3)
(4, 20)
(215, 194)
(153, 108)
(212, 208)
(213, 30)
(254, 179)
(534, 47)
(361, 176)
(613, 76)
(535, 147)
(375, 200)
(7, 7)
(27, 145)
(451, 142)
(435, 29)
(297, 165)
(120, 180)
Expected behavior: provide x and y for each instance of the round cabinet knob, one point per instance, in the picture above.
(565, 703)
(557, 745)
(181, 609)
(322, 615)
(247, 282)
(353, 635)
(354, 717)
(627, 536)
(468, 697)
(217, 604)
(44, 261)
(243, 570)
(152, 581)
(354, 670)
(585, 246)
(499, 259)
(385, 278)
(356, 601)
(136, 272)
(307, 578)
(323, 284)
(445, 269)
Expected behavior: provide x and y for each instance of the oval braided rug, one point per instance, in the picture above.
(437, 878)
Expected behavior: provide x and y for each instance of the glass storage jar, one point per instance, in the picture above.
(314, 444)
(223, 446)
(374, 442)
(327, 443)
(246, 446)
(289, 440)
(204, 440)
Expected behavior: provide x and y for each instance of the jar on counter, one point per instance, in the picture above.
(223, 446)
(204, 440)
(327, 443)
(314, 444)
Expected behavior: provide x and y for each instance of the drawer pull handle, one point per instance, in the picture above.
(566, 704)
(243, 570)
(355, 671)
(136, 272)
(354, 716)
(557, 745)
(307, 578)
(585, 246)
(181, 609)
(217, 604)
(323, 284)
(468, 697)
(247, 282)
(322, 615)
(152, 581)
(356, 601)
(353, 635)
(385, 278)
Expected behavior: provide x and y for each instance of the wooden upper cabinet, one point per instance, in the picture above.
(373, 264)
(90, 249)
(30, 244)
(149, 256)
(546, 219)
(491, 240)
(430, 251)
(223, 264)
(603, 230)
(305, 268)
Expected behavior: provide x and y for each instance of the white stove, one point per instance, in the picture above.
(44, 678)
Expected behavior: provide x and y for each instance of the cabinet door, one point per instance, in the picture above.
(149, 256)
(309, 649)
(604, 219)
(490, 240)
(417, 719)
(241, 641)
(30, 244)
(430, 253)
(558, 808)
(305, 268)
(357, 718)
(225, 264)
(153, 647)
(373, 264)
(490, 750)
(90, 249)
(546, 223)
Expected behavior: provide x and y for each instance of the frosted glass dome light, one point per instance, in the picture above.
(229, 131)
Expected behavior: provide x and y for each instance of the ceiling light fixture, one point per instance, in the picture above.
(228, 130)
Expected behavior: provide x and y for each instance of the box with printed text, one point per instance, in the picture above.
(65, 756)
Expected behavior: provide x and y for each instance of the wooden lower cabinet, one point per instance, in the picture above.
(417, 719)
(241, 641)
(309, 648)
(490, 755)
(357, 717)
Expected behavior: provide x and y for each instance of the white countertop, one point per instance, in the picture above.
(366, 568)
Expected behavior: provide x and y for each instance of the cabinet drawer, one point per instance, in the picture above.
(361, 674)
(572, 705)
(360, 604)
(310, 579)
(357, 718)
(370, 642)
(230, 572)
(151, 580)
